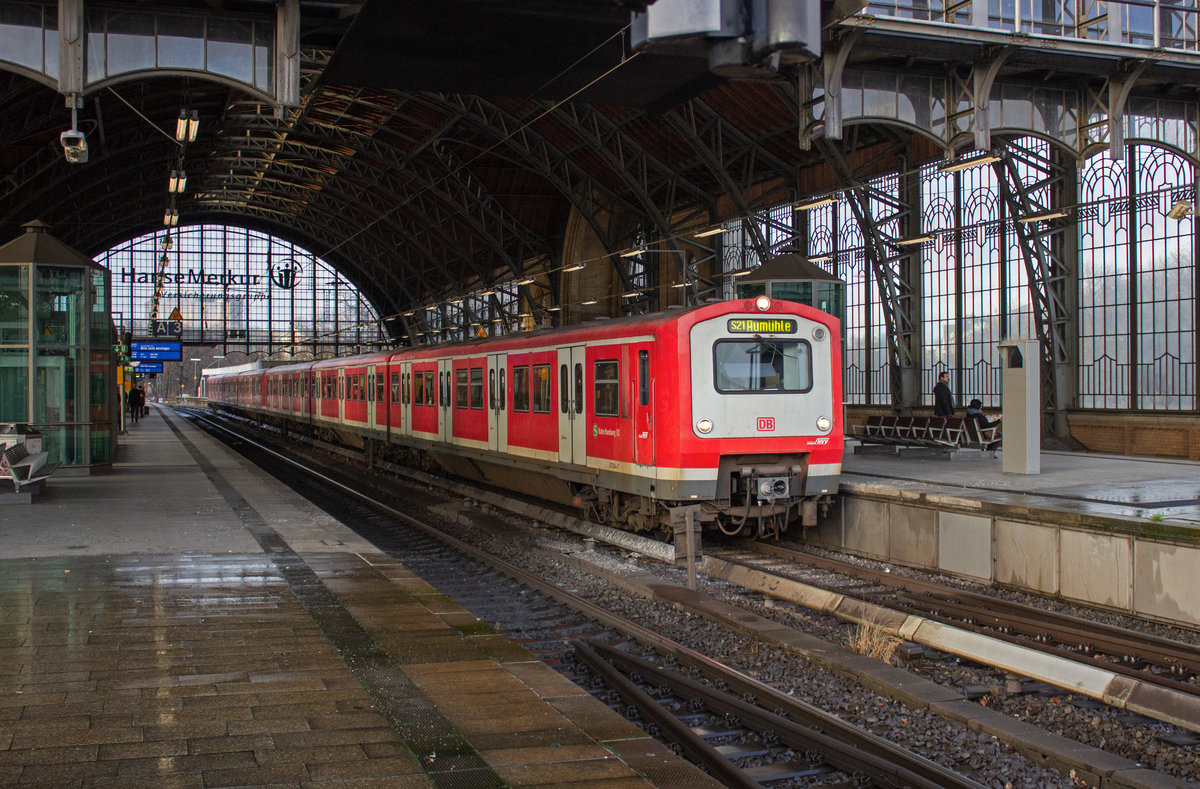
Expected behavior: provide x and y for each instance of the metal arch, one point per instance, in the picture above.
(478, 210)
(1049, 275)
(577, 186)
(365, 176)
(489, 224)
(889, 264)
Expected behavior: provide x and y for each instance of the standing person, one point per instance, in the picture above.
(135, 404)
(141, 391)
(943, 399)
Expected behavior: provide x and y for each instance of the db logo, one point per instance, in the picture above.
(765, 424)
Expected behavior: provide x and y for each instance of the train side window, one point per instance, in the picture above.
(579, 387)
(541, 389)
(370, 387)
(461, 389)
(381, 387)
(476, 388)
(520, 382)
(492, 390)
(418, 393)
(563, 388)
(503, 402)
(430, 388)
(341, 387)
(644, 377)
(395, 388)
(607, 396)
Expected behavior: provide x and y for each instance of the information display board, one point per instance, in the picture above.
(156, 350)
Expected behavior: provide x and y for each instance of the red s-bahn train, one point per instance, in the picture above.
(735, 407)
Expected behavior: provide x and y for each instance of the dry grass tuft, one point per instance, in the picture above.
(870, 639)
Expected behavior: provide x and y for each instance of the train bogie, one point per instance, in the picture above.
(735, 407)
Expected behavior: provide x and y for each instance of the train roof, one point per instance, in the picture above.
(581, 332)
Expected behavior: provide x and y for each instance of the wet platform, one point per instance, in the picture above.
(1114, 531)
(187, 621)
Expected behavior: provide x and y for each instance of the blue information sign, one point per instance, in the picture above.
(156, 350)
(148, 367)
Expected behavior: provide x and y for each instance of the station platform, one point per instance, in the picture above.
(188, 621)
(1113, 531)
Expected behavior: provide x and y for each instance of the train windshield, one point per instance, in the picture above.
(762, 365)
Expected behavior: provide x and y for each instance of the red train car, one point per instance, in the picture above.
(735, 407)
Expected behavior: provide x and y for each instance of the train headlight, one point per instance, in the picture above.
(823, 423)
(763, 303)
(819, 333)
(704, 425)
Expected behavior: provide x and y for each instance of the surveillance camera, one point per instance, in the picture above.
(74, 146)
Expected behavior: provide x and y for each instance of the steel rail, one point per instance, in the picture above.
(1122, 640)
(853, 755)
(674, 729)
(828, 722)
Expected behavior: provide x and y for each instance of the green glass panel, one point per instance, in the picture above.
(751, 290)
(59, 296)
(101, 444)
(14, 385)
(14, 305)
(54, 387)
(63, 443)
(831, 299)
(99, 387)
(799, 292)
(101, 319)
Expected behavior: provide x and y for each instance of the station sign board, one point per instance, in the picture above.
(145, 368)
(156, 350)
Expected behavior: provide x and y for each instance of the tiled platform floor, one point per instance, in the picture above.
(156, 632)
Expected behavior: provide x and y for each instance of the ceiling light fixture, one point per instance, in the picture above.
(1042, 217)
(904, 242)
(821, 259)
(633, 252)
(712, 231)
(1180, 209)
(576, 267)
(816, 202)
(588, 303)
(741, 273)
(526, 281)
(170, 217)
(965, 164)
(177, 183)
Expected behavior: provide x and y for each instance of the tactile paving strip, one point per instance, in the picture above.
(449, 760)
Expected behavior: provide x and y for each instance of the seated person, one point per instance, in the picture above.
(975, 412)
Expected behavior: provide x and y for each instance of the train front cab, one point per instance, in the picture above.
(765, 414)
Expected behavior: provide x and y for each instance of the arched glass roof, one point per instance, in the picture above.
(238, 289)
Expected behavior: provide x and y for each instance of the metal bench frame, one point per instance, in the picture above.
(943, 435)
(27, 468)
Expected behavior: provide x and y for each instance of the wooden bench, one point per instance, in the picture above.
(27, 468)
(933, 434)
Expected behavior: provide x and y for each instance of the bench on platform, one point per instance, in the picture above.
(942, 435)
(27, 468)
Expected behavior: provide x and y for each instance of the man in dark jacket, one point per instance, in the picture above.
(943, 400)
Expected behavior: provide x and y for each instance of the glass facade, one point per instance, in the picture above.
(239, 289)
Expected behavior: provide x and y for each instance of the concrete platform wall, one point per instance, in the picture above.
(1147, 576)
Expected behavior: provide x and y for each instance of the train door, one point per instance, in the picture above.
(406, 390)
(445, 394)
(497, 384)
(372, 403)
(643, 422)
(572, 406)
(341, 395)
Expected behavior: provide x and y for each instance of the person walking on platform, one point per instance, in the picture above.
(943, 399)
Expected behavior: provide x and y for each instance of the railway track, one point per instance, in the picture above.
(786, 739)
(1164, 662)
